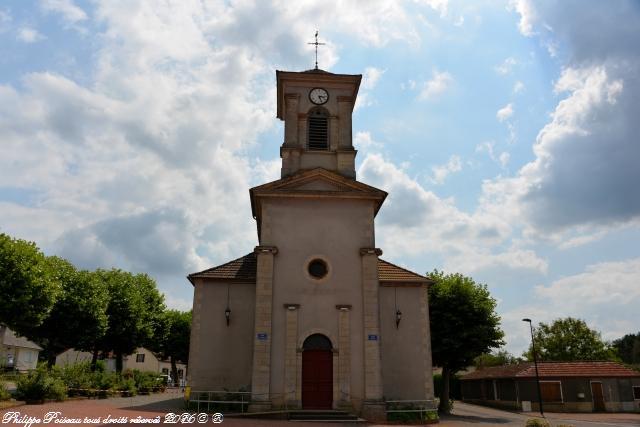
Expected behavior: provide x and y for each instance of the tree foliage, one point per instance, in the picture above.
(174, 342)
(27, 285)
(78, 318)
(499, 358)
(569, 339)
(464, 324)
(134, 311)
(628, 348)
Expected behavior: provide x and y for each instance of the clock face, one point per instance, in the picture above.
(318, 96)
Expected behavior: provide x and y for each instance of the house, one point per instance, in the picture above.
(17, 352)
(585, 386)
(312, 317)
(142, 359)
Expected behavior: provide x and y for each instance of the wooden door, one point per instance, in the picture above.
(317, 379)
(598, 397)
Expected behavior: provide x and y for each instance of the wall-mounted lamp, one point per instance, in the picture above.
(398, 318)
(227, 315)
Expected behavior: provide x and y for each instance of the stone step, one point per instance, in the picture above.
(322, 415)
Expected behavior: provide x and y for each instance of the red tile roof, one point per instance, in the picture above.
(243, 269)
(555, 369)
(388, 272)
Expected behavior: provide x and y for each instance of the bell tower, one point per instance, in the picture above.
(316, 107)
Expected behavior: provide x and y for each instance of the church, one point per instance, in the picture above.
(312, 317)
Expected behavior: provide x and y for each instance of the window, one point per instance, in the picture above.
(140, 358)
(180, 373)
(165, 370)
(318, 129)
(318, 268)
(636, 392)
(551, 391)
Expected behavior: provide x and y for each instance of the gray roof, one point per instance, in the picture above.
(9, 338)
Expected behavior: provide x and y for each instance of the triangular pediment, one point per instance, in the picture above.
(317, 180)
(319, 183)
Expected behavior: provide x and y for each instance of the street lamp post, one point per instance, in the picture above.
(535, 362)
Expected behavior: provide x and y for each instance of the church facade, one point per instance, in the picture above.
(313, 317)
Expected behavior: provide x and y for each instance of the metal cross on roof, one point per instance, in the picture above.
(316, 44)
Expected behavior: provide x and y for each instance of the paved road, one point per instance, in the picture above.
(466, 415)
(157, 405)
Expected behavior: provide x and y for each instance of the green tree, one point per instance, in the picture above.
(499, 358)
(464, 325)
(569, 339)
(78, 318)
(628, 348)
(27, 286)
(174, 343)
(134, 311)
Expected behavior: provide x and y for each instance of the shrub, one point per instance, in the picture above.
(77, 377)
(40, 384)
(4, 393)
(127, 386)
(537, 422)
(145, 381)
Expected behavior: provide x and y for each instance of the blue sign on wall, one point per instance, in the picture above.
(262, 336)
(373, 338)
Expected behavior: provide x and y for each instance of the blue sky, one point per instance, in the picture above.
(504, 131)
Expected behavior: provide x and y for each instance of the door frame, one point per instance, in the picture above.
(327, 355)
(301, 339)
(593, 399)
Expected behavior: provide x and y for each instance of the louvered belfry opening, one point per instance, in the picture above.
(318, 126)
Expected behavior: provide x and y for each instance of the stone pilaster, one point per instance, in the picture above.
(194, 342)
(344, 357)
(291, 355)
(373, 407)
(291, 122)
(302, 130)
(426, 344)
(261, 376)
(345, 108)
(334, 133)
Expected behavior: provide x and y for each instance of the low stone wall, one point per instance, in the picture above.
(500, 404)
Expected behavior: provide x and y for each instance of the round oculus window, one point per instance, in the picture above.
(318, 268)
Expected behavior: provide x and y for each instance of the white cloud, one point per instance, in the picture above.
(29, 35)
(440, 6)
(69, 11)
(468, 242)
(601, 285)
(506, 67)
(589, 295)
(409, 85)
(504, 158)
(364, 141)
(505, 112)
(146, 166)
(527, 15)
(518, 87)
(437, 85)
(441, 172)
(5, 20)
(369, 81)
(371, 77)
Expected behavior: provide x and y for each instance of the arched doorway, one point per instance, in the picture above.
(317, 373)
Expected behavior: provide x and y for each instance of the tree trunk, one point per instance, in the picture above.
(94, 359)
(51, 360)
(174, 372)
(445, 406)
(119, 362)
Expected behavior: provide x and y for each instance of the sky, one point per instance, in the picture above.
(506, 133)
